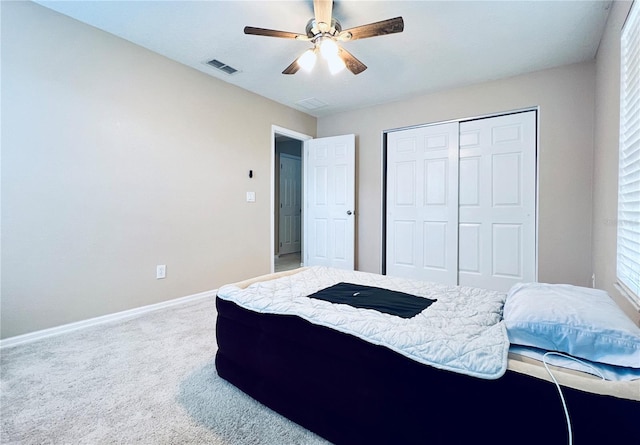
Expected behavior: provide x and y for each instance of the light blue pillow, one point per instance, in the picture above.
(578, 321)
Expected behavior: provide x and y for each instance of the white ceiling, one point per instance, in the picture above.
(444, 44)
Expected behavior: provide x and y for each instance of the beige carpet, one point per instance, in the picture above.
(145, 380)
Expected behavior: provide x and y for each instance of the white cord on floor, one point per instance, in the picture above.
(564, 404)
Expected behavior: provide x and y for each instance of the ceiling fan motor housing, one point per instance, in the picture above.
(313, 31)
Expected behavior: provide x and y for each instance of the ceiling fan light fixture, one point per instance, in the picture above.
(336, 64)
(328, 48)
(324, 32)
(307, 60)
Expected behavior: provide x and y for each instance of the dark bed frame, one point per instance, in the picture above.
(353, 392)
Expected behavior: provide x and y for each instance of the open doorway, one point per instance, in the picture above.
(288, 204)
(287, 199)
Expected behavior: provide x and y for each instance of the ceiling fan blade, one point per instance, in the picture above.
(274, 33)
(293, 68)
(389, 26)
(322, 10)
(353, 64)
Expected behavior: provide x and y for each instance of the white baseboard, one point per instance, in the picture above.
(39, 335)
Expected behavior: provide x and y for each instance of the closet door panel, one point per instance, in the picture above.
(404, 251)
(507, 251)
(469, 248)
(422, 216)
(504, 150)
(435, 245)
(470, 183)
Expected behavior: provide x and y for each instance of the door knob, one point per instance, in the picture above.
(349, 212)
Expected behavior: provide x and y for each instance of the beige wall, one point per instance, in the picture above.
(605, 173)
(565, 97)
(114, 160)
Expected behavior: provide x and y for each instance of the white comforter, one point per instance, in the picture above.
(462, 332)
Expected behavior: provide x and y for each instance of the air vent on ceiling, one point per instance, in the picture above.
(311, 104)
(222, 66)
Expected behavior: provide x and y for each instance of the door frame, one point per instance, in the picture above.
(277, 130)
(383, 226)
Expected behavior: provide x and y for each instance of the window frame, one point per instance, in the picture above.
(628, 225)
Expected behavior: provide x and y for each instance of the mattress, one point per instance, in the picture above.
(462, 331)
(349, 390)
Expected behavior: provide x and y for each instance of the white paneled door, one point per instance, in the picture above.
(461, 202)
(290, 204)
(422, 203)
(329, 235)
(497, 209)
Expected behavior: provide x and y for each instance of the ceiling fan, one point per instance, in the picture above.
(324, 32)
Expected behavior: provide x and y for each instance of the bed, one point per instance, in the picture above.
(302, 357)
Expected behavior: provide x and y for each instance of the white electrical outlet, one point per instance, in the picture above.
(251, 196)
(161, 271)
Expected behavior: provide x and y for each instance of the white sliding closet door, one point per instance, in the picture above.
(497, 236)
(422, 203)
(461, 202)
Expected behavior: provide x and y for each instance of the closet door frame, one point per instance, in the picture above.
(384, 183)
